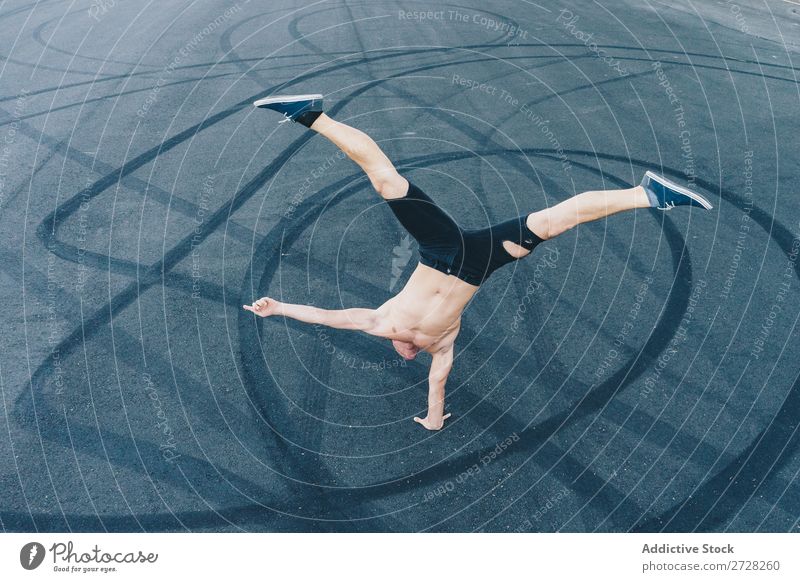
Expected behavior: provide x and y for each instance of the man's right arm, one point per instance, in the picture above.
(441, 364)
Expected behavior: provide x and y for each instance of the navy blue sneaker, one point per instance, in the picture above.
(299, 108)
(666, 195)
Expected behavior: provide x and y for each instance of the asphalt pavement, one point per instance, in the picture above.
(640, 373)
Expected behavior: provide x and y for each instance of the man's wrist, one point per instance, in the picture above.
(435, 409)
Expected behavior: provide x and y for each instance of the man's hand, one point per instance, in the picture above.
(432, 423)
(263, 307)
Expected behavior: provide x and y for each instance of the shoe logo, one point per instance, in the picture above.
(31, 555)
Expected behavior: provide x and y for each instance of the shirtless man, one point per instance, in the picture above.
(426, 314)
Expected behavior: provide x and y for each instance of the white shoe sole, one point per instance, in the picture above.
(672, 185)
(286, 99)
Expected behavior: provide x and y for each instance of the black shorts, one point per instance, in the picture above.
(470, 255)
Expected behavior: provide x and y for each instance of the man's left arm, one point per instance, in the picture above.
(355, 318)
(441, 364)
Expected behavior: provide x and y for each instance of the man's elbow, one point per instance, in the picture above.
(370, 321)
(439, 376)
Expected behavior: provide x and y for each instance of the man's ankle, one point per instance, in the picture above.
(308, 118)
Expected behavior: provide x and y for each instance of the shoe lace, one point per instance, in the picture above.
(667, 206)
(285, 118)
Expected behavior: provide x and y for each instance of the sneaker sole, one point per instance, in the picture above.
(286, 99)
(696, 197)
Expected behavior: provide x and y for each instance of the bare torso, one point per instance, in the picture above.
(427, 312)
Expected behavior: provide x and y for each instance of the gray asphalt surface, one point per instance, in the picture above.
(636, 374)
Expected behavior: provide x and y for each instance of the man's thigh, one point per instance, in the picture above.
(424, 220)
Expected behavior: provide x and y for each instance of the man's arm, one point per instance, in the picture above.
(441, 364)
(355, 318)
(366, 320)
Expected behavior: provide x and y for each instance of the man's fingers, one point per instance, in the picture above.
(418, 419)
(248, 307)
(446, 416)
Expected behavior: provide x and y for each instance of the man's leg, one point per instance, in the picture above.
(424, 220)
(363, 150)
(585, 207)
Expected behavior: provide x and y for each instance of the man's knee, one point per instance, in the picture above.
(540, 224)
(548, 223)
(390, 186)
